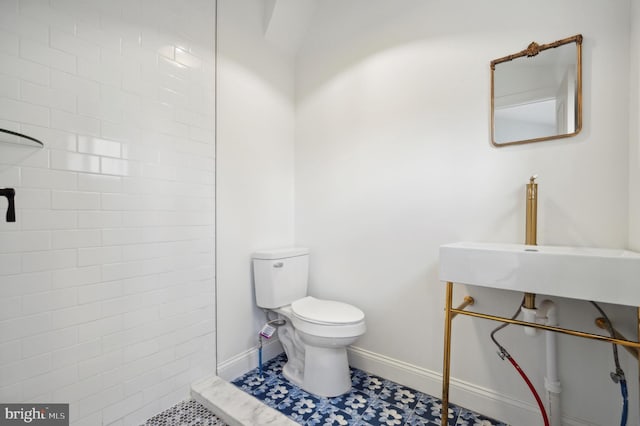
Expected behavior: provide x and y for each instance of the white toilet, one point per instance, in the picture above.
(317, 332)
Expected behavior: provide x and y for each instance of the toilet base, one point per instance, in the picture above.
(326, 371)
(318, 365)
(291, 374)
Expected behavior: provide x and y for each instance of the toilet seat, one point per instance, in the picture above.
(327, 318)
(326, 312)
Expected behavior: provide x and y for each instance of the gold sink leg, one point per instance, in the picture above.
(444, 413)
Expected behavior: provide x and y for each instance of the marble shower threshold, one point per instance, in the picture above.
(234, 406)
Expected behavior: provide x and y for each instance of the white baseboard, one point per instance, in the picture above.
(248, 360)
(468, 395)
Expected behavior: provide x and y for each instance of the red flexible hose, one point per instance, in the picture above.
(531, 388)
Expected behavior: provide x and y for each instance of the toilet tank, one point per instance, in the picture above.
(280, 276)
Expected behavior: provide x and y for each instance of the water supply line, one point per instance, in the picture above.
(602, 323)
(503, 353)
(618, 375)
(266, 332)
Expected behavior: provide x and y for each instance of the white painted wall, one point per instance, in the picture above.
(393, 158)
(254, 171)
(107, 276)
(634, 130)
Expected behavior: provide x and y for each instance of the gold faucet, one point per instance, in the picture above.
(532, 212)
(531, 229)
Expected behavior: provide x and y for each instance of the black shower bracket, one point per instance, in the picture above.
(20, 135)
(10, 193)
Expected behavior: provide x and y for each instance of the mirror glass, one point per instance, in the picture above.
(537, 93)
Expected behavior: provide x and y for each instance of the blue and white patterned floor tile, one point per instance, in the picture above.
(372, 401)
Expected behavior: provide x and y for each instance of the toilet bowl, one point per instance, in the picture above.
(316, 341)
(316, 332)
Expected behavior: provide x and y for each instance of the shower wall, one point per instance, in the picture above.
(107, 275)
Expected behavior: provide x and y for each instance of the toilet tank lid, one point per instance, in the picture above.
(280, 253)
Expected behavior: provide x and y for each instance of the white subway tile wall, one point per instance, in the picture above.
(107, 275)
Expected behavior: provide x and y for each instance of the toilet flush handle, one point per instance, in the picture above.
(278, 265)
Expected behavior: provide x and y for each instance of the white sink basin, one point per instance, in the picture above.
(602, 275)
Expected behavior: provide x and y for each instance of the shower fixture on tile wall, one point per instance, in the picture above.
(10, 193)
(11, 209)
(20, 135)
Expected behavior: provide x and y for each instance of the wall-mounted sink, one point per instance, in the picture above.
(604, 275)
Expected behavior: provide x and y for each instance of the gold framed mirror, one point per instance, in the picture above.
(536, 94)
